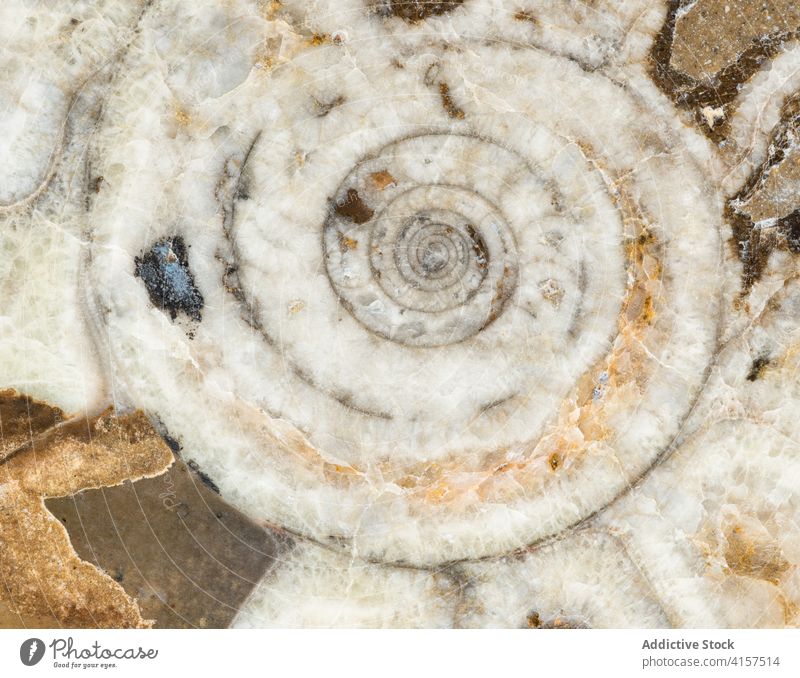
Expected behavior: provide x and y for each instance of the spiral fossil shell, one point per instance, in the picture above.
(484, 312)
(418, 256)
(421, 306)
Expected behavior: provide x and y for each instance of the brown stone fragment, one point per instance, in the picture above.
(765, 214)
(21, 418)
(43, 579)
(188, 557)
(42, 575)
(382, 180)
(11, 619)
(85, 453)
(712, 34)
(704, 53)
(354, 208)
(413, 11)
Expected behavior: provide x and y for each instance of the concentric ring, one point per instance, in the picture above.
(441, 321)
(386, 220)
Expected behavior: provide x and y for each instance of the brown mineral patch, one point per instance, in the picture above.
(524, 15)
(382, 180)
(765, 214)
(318, 39)
(354, 208)
(42, 576)
(346, 244)
(85, 453)
(757, 368)
(448, 104)
(701, 57)
(413, 11)
(479, 248)
(323, 108)
(116, 553)
(185, 555)
(751, 555)
(712, 34)
(649, 313)
(22, 418)
(10, 618)
(502, 293)
(534, 621)
(778, 193)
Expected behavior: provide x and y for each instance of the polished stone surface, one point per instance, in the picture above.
(432, 314)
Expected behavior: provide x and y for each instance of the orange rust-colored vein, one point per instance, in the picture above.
(581, 424)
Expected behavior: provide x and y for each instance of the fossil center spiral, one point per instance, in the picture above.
(415, 256)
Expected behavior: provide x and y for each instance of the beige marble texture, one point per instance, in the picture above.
(476, 313)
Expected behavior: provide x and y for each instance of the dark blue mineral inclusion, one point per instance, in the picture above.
(164, 270)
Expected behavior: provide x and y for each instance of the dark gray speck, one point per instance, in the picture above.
(164, 270)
